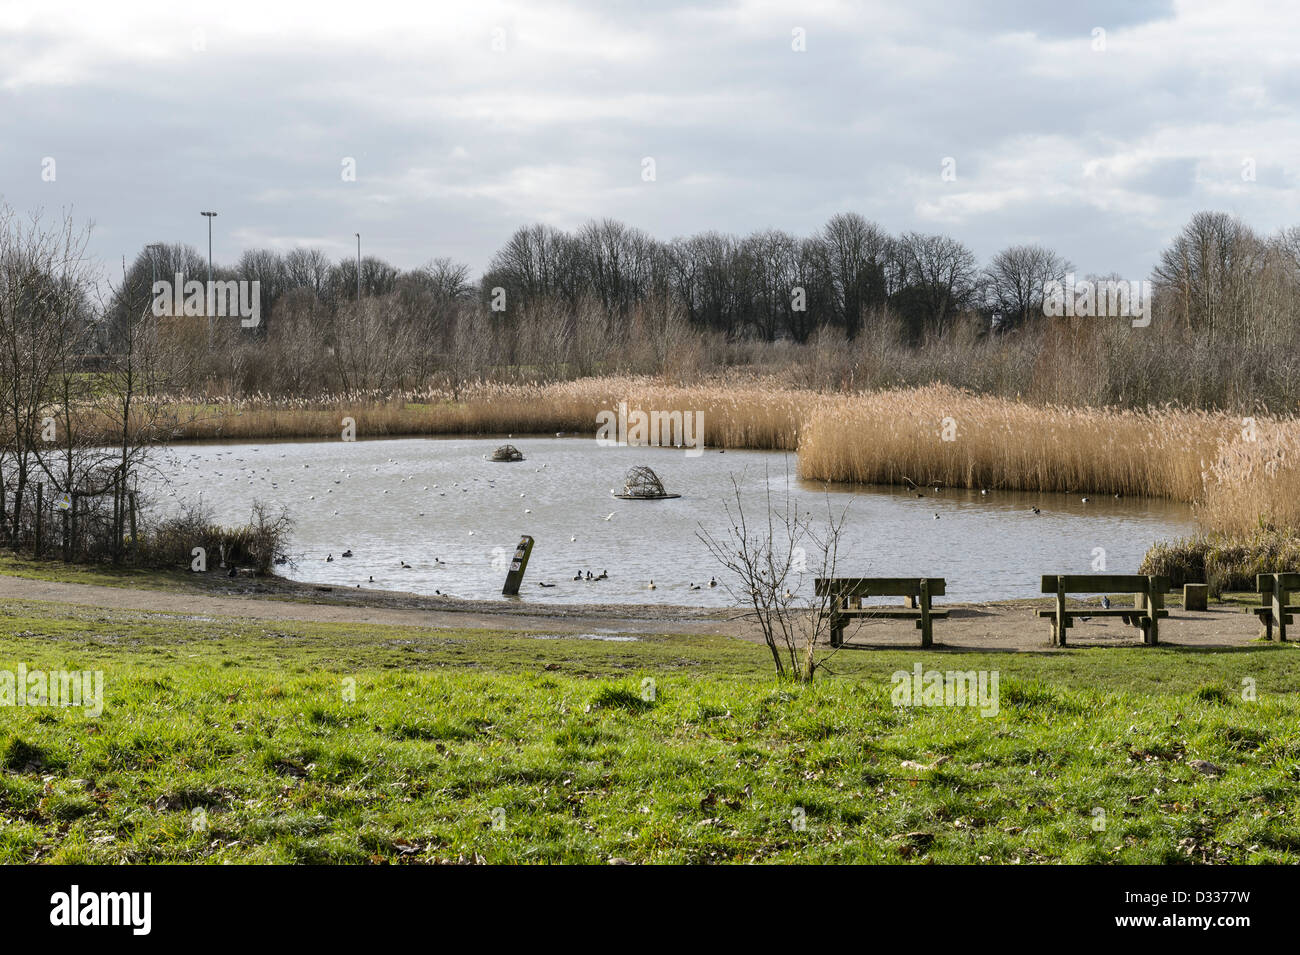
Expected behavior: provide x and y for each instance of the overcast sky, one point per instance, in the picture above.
(469, 119)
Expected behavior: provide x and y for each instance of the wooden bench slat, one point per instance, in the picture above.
(1097, 612)
(879, 586)
(881, 612)
(1102, 583)
(1286, 581)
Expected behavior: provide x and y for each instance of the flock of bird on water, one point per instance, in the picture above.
(1035, 508)
(583, 576)
(329, 559)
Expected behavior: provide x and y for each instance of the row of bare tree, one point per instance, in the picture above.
(850, 306)
(49, 320)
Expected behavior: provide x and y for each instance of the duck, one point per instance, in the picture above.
(1036, 510)
(603, 576)
(346, 553)
(694, 587)
(405, 565)
(713, 582)
(652, 585)
(540, 584)
(329, 559)
(578, 575)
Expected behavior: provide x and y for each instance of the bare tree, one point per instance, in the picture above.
(940, 275)
(44, 283)
(769, 559)
(1207, 272)
(1016, 277)
(856, 251)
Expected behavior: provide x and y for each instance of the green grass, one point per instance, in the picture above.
(233, 741)
(105, 575)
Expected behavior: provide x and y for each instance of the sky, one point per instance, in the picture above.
(1097, 129)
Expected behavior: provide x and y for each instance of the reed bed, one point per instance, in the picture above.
(746, 414)
(1253, 483)
(941, 435)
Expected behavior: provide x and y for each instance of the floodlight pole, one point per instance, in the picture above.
(207, 298)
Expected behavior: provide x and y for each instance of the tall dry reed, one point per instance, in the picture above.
(941, 435)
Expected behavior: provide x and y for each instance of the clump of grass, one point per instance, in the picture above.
(621, 698)
(1224, 563)
(1213, 693)
(17, 754)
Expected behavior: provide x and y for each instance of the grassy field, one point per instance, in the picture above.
(224, 741)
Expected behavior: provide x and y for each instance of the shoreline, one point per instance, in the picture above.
(1005, 626)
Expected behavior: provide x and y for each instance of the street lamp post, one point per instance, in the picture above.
(207, 296)
(153, 248)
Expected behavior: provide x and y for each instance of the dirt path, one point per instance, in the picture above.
(581, 620)
(1005, 626)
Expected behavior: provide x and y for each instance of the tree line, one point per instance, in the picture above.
(850, 306)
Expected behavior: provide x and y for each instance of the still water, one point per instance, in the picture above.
(441, 507)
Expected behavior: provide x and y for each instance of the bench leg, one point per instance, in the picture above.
(927, 629)
(1062, 621)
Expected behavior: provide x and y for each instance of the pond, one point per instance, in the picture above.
(440, 507)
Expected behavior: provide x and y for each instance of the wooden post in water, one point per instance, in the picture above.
(518, 564)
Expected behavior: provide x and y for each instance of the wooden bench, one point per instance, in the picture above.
(1275, 590)
(846, 594)
(1148, 601)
